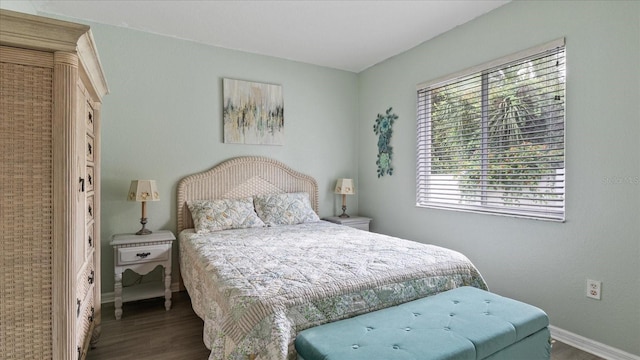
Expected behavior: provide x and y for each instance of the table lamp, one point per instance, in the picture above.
(143, 191)
(344, 187)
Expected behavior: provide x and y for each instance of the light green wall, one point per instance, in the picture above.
(542, 263)
(18, 5)
(163, 121)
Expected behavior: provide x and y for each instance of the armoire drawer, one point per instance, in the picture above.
(131, 255)
(90, 149)
(90, 240)
(84, 320)
(90, 208)
(90, 179)
(90, 119)
(85, 279)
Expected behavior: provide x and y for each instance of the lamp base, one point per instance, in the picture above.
(144, 230)
(344, 214)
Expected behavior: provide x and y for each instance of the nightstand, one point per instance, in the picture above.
(142, 254)
(357, 222)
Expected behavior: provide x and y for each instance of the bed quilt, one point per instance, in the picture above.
(257, 288)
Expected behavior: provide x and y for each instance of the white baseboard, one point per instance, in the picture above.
(590, 346)
(109, 297)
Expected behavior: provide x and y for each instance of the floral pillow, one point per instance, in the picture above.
(224, 214)
(285, 209)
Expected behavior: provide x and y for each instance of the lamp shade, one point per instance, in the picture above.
(143, 190)
(345, 187)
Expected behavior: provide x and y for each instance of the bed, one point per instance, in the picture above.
(256, 283)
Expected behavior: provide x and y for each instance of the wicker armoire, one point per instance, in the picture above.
(51, 88)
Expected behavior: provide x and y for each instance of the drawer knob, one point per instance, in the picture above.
(143, 255)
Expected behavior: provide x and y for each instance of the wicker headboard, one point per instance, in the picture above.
(242, 177)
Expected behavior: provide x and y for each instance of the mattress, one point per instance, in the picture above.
(257, 288)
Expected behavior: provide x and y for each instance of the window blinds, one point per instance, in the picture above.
(492, 139)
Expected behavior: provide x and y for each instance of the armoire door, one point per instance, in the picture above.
(26, 205)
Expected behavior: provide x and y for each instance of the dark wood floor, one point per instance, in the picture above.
(146, 331)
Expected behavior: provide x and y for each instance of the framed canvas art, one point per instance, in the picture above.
(253, 113)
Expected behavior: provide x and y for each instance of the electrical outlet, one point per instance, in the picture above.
(594, 289)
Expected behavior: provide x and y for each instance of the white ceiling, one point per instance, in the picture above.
(349, 35)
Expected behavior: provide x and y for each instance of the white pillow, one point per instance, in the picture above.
(285, 209)
(223, 214)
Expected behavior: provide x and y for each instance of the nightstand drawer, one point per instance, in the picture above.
(142, 254)
(360, 225)
(356, 222)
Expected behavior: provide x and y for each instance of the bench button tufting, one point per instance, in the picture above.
(355, 346)
(452, 314)
(416, 314)
(396, 347)
(455, 301)
(369, 328)
(446, 328)
(407, 329)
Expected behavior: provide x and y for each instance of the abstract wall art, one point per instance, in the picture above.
(253, 113)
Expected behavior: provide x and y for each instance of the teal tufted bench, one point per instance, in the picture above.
(465, 323)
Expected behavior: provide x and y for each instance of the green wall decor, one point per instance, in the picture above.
(383, 129)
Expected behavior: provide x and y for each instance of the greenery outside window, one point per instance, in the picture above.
(491, 139)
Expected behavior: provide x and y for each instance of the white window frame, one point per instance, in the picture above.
(431, 192)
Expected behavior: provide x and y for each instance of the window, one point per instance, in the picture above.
(491, 139)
